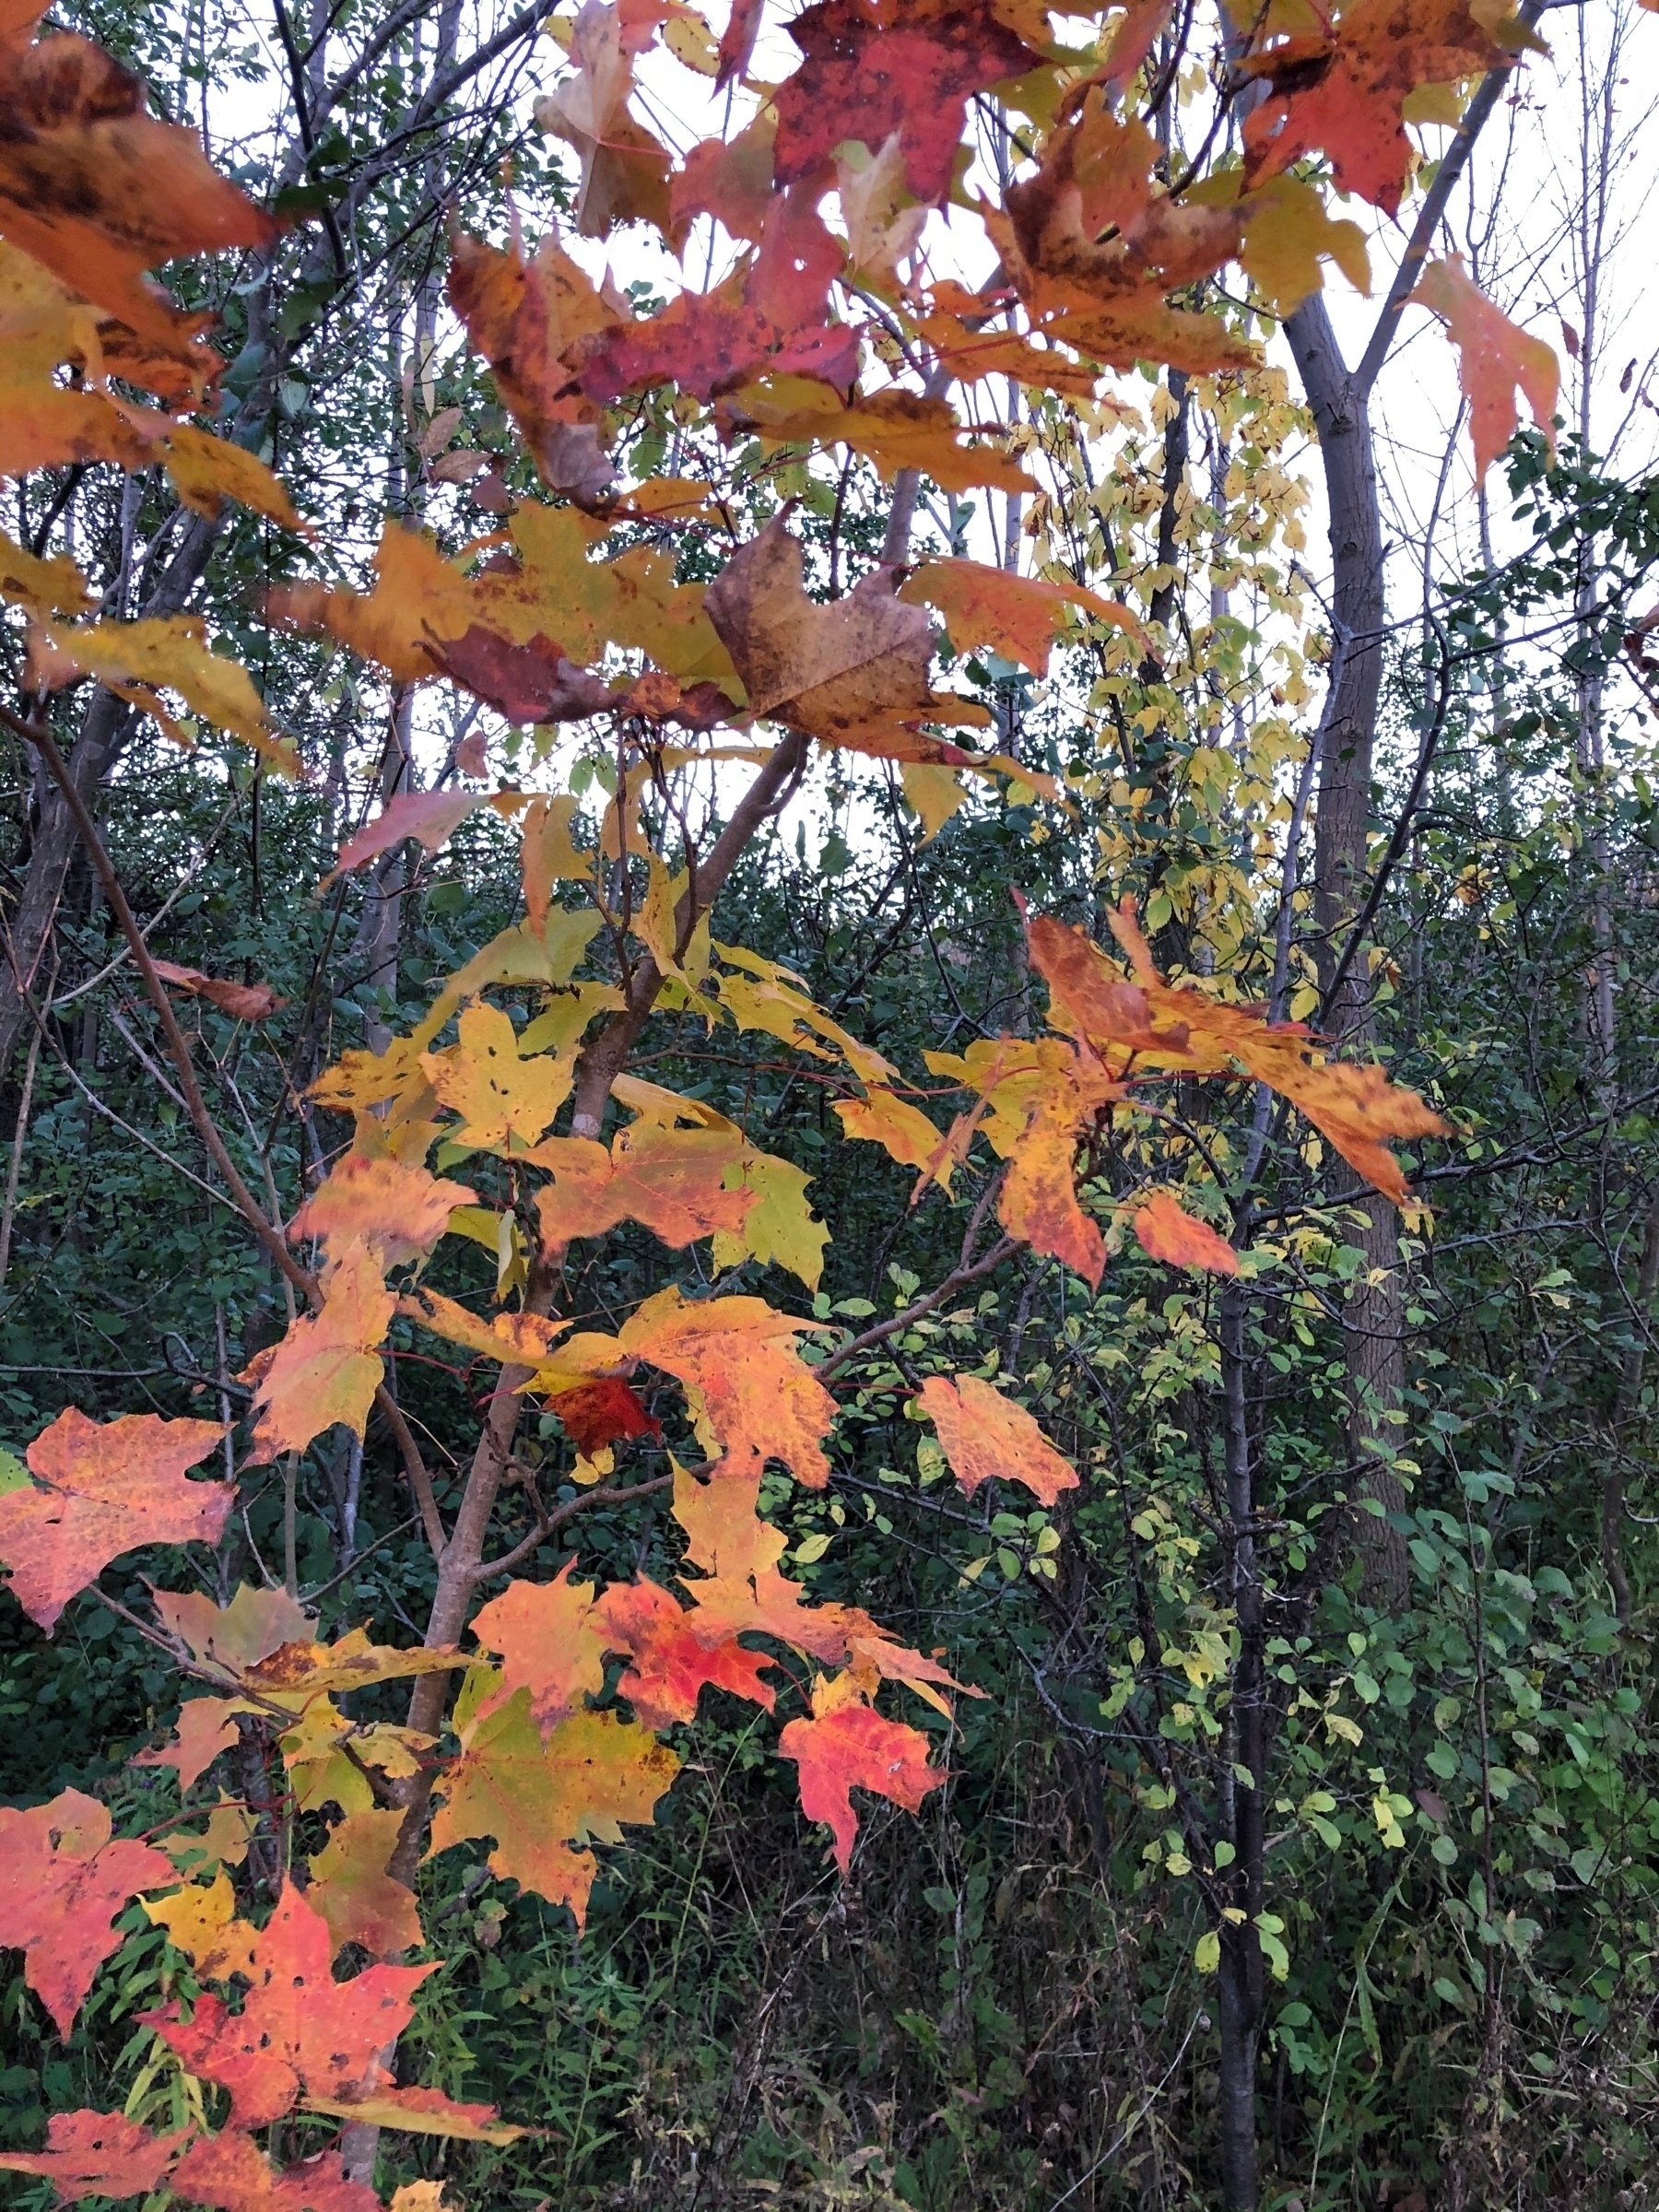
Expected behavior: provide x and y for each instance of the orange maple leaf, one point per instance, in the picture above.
(102, 1489)
(671, 1179)
(397, 1212)
(1493, 358)
(1169, 1234)
(299, 2031)
(326, 1369)
(847, 1744)
(983, 1434)
(104, 2154)
(62, 1880)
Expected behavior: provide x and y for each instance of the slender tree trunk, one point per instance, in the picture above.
(1373, 1332)
(1240, 1988)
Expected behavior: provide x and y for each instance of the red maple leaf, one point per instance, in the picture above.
(299, 2029)
(600, 1412)
(873, 68)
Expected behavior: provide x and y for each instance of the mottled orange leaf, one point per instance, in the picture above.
(983, 1434)
(100, 2154)
(512, 1338)
(744, 1376)
(361, 1903)
(1019, 616)
(1493, 358)
(326, 1369)
(303, 1670)
(536, 1800)
(902, 1130)
(227, 2172)
(1353, 1105)
(62, 1880)
(498, 1095)
(730, 179)
(1344, 94)
(524, 316)
(102, 1489)
(205, 1727)
(398, 1212)
(100, 191)
(299, 2030)
(972, 353)
(671, 1179)
(1169, 1234)
(1045, 1099)
(670, 1663)
(871, 70)
(242, 1001)
(848, 1745)
(547, 1636)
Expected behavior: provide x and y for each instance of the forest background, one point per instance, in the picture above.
(1029, 1988)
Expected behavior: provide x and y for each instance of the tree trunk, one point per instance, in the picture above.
(1373, 1335)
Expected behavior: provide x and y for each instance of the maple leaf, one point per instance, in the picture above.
(779, 1228)
(1169, 1234)
(350, 1887)
(1093, 244)
(744, 1376)
(515, 1339)
(1344, 94)
(99, 190)
(325, 1369)
(848, 1745)
(1019, 616)
(539, 1801)
(954, 325)
(102, 1489)
(895, 428)
(1493, 358)
(351, 1662)
(230, 2173)
(671, 1179)
(670, 1661)
(828, 670)
(205, 1727)
(138, 661)
(398, 1212)
(434, 816)
(624, 169)
(1183, 1030)
(548, 1642)
(242, 1001)
(202, 1922)
(902, 1130)
(223, 1843)
(62, 1880)
(526, 317)
(600, 1412)
(45, 587)
(420, 2112)
(254, 1624)
(299, 2030)
(871, 70)
(731, 179)
(100, 2154)
(738, 40)
(1043, 1098)
(498, 1095)
(983, 1434)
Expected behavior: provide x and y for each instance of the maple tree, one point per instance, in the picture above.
(691, 646)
